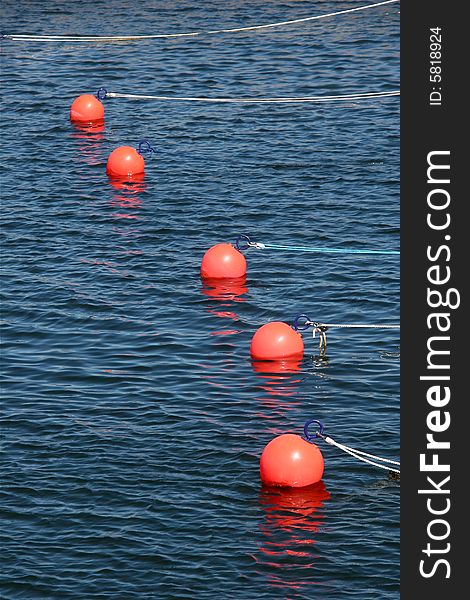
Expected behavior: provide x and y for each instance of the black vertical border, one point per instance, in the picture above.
(426, 128)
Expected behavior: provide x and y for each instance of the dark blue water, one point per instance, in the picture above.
(133, 418)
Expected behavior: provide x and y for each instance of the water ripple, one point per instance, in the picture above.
(133, 416)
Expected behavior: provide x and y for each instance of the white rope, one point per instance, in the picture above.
(344, 447)
(280, 100)
(125, 38)
(361, 456)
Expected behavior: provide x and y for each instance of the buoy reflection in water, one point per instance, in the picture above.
(293, 523)
(127, 196)
(90, 138)
(225, 292)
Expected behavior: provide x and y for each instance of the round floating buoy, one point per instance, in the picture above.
(276, 340)
(125, 161)
(290, 461)
(86, 109)
(223, 261)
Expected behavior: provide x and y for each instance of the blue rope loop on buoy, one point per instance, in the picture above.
(243, 242)
(101, 93)
(298, 326)
(145, 147)
(318, 434)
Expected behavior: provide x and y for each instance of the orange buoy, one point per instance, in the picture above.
(223, 261)
(86, 109)
(276, 340)
(125, 162)
(290, 461)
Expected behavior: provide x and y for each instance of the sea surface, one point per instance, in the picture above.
(133, 418)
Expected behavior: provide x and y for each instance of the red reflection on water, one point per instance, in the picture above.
(89, 137)
(121, 183)
(292, 524)
(90, 127)
(276, 366)
(127, 196)
(295, 509)
(278, 379)
(225, 292)
(225, 289)
(225, 332)
(280, 386)
(225, 314)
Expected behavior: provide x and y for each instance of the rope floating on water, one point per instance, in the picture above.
(317, 325)
(129, 38)
(103, 93)
(243, 242)
(371, 459)
(302, 322)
